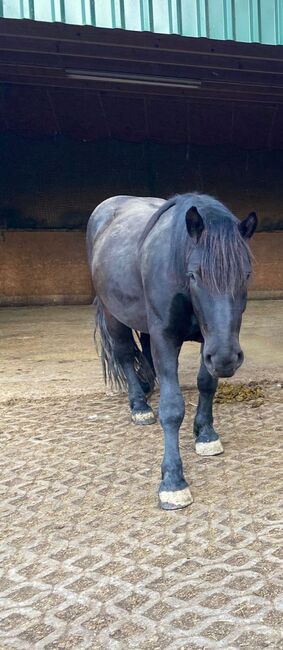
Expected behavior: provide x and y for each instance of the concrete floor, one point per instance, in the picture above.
(88, 561)
(49, 351)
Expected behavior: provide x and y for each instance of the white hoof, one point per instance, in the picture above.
(212, 448)
(174, 500)
(146, 417)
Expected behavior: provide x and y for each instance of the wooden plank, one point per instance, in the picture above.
(232, 93)
(127, 38)
(121, 52)
(188, 67)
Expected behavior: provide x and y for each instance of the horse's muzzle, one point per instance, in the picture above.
(223, 365)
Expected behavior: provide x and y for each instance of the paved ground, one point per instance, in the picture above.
(49, 351)
(87, 559)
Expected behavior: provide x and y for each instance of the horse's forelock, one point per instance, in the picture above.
(224, 256)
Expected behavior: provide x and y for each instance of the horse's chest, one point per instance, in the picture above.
(182, 322)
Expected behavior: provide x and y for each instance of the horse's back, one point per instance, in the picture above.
(118, 206)
(100, 218)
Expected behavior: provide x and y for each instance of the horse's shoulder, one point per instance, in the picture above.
(182, 323)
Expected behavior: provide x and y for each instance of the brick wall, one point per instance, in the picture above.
(50, 267)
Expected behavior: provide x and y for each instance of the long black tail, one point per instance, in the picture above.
(112, 368)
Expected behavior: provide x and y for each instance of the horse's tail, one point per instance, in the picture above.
(113, 372)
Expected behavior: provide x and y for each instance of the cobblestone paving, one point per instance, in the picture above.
(89, 561)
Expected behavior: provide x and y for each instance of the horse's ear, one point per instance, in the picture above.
(194, 223)
(248, 225)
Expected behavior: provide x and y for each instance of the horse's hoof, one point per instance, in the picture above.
(143, 417)
(175, 500)
(212, 448)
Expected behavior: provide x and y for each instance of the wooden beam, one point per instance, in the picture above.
(186, 70)
(225, 93)
(124, 53)
(139, 40)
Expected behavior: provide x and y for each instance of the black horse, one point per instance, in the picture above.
(169, 272)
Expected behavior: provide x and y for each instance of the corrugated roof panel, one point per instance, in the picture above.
(132, 15)
(240, 20)
(74, 12)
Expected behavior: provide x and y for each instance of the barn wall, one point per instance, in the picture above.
(44, 267)
(49, 187)
(50, 267)
(56, 182)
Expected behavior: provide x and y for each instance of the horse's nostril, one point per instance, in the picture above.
(240, 356)
(208, 359)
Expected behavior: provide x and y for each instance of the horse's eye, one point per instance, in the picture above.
(248, 275)
(192, 276)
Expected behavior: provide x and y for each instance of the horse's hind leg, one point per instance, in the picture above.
(208, 442)
(124, 353)
(146, 350)
(147, 383)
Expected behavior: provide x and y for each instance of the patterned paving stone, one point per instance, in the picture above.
(88, 561)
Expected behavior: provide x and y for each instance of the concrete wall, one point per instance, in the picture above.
(50, 267)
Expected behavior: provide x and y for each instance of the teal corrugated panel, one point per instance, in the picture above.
(280, 21)
(132, 14)
(146, 15)
(161, 16)
(240, 20)
(228, 15)
(189, 17)
(268, 21)
(73, 12)
(215, 19)
(11, 9)
(118, 13)
(103, 13)
(44, 11)
(175, 17)
(56, 9)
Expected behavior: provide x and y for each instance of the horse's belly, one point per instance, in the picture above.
(121, 291)
(126, 307)
(133, 316)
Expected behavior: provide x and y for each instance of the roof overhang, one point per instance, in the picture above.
(119, 75)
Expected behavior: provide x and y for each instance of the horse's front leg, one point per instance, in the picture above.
(208, 442)
(174, 491)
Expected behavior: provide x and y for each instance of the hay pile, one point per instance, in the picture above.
(227, 393)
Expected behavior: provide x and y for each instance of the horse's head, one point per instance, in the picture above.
(219, 268)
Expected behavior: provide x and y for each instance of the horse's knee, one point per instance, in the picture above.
(206, 383)
(171, 420)
(171, 413)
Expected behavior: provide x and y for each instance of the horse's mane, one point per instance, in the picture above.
(224, 252)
